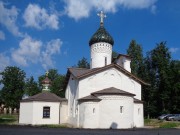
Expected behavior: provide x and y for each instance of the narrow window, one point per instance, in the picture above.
(138, 111)
(93, 110)
(46, 112)
(121, 109)
(105, 61)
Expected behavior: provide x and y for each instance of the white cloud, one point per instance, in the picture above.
(28, 51)
(2, 36)
(78, 9)
(5, 61)
(38, 17)
(174, 50)
(32, 51)
(8, 18)
(52, 48)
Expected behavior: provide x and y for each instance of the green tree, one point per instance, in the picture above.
(83, 63)
(175, 86)
(57, 84)
(159, 61)
(31, 87)
(135, 52)
(149, 93)
(13, 80)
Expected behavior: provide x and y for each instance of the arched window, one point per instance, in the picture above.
(46, 112)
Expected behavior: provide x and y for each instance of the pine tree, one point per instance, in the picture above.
(135, 52)
(159, 59)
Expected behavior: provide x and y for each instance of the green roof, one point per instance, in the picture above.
(101, 35)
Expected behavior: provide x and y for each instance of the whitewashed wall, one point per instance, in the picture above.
(26, 113)
(125, 63)
(72, 96)
(38, 113)
(138, 115)
(63, 112)
(98, 53)
(109, 78)
(89, 115)
(32, 113)
(109, 112)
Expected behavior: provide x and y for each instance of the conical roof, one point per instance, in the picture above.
(101, 35)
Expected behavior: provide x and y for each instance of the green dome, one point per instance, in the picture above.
(101, 35)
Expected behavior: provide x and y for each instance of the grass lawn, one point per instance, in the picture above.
(8, 119)
(161, 123)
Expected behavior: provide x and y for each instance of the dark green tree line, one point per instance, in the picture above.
(162, 73)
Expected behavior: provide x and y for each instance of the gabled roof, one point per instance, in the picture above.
(80, 73)
(44, 96)
(89, 98)
(112, 91)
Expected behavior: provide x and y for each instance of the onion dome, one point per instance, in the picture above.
(46, 81)
(101, 35)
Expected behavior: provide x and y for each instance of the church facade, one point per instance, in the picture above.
(107, 95)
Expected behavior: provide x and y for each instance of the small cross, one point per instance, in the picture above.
(47, 73)
(102, 16)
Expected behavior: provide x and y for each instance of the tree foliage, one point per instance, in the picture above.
(135, 52)
(31, 87)
(83, 63)
(13, 80)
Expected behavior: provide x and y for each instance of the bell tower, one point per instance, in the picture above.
(101, 44)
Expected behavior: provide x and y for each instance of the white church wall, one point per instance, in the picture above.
(26, 113)
(89, 115)
(137, 91)
(124, 62)
(138, 115)
(99, 52)
(116, 112)
(63, 112)
(38, 113)
(109, 78)
(72, 95)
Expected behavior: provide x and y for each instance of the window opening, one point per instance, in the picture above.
(93, 110)
(121, 109)
(138, 111)
(46, 112)
(105, 61)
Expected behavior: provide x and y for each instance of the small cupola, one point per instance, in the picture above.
(46, 83)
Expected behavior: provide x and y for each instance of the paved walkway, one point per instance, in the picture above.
(28, 130)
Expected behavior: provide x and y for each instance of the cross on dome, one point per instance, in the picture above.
(47, 73)
(102, 16)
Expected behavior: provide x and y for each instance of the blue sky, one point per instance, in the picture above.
(37, 35)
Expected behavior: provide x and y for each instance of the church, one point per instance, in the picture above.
(105, 96)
